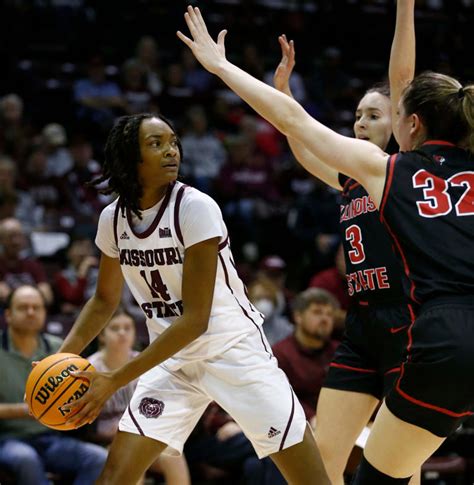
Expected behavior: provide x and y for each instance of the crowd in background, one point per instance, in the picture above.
(75, 65)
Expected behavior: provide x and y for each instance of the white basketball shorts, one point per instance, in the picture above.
(245, 381)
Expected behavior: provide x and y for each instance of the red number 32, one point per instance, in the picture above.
(437, 201)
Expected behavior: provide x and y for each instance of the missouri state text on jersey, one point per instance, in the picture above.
(372, 270)
(151, 252)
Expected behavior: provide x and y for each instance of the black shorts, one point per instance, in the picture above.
(374, 343)
(435, 390)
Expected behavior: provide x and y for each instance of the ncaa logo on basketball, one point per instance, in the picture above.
(45, 391)
(77, 394)
(151, 408)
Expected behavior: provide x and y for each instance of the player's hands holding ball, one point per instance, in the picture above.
(210, 54)
(102, 386)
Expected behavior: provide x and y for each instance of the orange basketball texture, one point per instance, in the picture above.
(50, 385)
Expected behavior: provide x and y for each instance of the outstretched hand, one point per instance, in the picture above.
(281, 78)
(209, 53)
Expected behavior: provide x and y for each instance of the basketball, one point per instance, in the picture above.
(50, 385)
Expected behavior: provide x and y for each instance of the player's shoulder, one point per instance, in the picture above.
(108, 211)
(194, 197)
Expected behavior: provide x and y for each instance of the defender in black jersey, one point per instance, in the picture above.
(433, 107)
(367, 362)
(369, 357)
(428, 208)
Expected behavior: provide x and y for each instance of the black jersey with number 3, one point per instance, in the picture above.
(428, 209)
(372, 269)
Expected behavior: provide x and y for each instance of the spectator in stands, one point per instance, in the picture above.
(75, 284)
(117, 341)
(148, 55)
(314, 224)
(49, 192)
(205, 153)
(195, 77)
(86, 201)
(23, 202)
(15, 131)
(99, 99)
(176, 96)
(137, 96)
(266, 296)
(333, 279)
(59, 159)
(15, 268)
(27, 448)
(306, 354)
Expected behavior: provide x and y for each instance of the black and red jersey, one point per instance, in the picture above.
(372, 269)
(428, 209)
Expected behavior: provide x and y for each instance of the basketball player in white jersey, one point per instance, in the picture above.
(169, 243)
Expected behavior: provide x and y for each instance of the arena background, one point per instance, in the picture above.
(280, 219)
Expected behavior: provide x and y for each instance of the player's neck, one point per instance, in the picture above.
(151, 196)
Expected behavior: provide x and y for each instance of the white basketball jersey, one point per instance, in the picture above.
(152, 265)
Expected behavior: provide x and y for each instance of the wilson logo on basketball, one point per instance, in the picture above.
(77, 394)
(45, 391)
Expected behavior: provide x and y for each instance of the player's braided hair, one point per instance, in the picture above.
(122, 156)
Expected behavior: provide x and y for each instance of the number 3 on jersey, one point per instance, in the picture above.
(354, 236)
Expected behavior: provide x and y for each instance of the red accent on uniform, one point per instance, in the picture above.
(348, 367)
(398, 329)
(439, 142)
(427, 405)
(363, 303)
(388, 184)
(353, 186)
(391, 371)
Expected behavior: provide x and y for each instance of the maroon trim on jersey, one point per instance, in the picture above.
(244, 311)
(177, 204)
(135, 422)
(388, 183)
(156, 221)
(349, 367)
(363, 303)
(439, 142)
(116, 213)
(392, 371)
(427, 405)
(224, 243)
(290, 419)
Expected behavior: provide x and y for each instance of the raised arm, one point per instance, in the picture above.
(359, 159)
(401, 68)
(281, 80)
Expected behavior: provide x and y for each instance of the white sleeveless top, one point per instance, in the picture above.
(151, 253)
